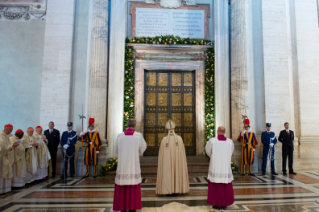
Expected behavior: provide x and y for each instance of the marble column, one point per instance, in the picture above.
(97, 87)
(116, 73)
(57, 60)
(222, 78)
(239, 78)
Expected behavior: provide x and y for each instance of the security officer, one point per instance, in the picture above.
(68, 140)
(269, 140)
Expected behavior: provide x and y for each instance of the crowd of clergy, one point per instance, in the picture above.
(24, 157)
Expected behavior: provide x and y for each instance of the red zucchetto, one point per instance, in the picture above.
(19, 131)
(38, 127)
(30, 128)
(8, 125)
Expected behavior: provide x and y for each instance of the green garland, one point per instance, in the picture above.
(128, 86)
(209, 96)
(109, 166)
(168, 40)
(171, 40)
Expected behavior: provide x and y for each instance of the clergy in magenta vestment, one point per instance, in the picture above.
(220, 176)
(42, 153)
(31, 157)
(6, 159)
(129, 146)
(19, 166)
(172, 174)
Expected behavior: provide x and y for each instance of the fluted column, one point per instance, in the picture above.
(221, 41)
(97, 93)
(239, 78)
(116, 73)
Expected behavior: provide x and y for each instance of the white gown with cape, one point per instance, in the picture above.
(172, 174)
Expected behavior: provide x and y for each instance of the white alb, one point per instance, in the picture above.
(129, 149)
(220, 153)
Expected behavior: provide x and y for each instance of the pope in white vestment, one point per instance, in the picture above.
(29, 142)
(19, 166)
(43, 154)
(220, 176)
(6, 159)
(172, 174)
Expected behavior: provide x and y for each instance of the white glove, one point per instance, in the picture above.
(243, 133)
(66, 146)
(97, 152)
(254, 150)
(271, 145)
(81, 134)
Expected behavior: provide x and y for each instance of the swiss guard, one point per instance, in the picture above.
(68, 140)
(93, 139)
(269, 140)
(249, 145)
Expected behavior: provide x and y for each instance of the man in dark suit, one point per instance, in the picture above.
(286, 137)
(53, 137)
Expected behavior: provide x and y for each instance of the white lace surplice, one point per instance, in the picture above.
(220, 153)
(129, 149)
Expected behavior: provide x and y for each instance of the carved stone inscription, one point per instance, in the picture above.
(184, 23)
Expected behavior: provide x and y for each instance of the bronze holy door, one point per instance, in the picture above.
(169, 95)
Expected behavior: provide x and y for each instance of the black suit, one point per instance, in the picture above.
(53, 143)
(287, 140)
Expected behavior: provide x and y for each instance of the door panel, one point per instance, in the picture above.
(169, 95)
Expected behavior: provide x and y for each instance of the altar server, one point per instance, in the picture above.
(6, 159)
(172, 174)
(29, 142)
(43, 154)
(269, 140)
(19, 166)
(249, 145)
(220, 176)
(93, 140)
(68, 140)
(129, 146)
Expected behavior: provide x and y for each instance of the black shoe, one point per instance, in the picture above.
(284, 173)
(94, 176)
(251, 174)
(72, 176)
(53, 176)
(292, 173)
(274, 173)
(264, 173)
(216, 207)
(243, 174)
(132, 210)
(223, 208)
(62, 176)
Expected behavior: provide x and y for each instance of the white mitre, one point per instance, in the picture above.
(170, 125)
(171, 3)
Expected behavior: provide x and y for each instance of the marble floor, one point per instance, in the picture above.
(260, 193)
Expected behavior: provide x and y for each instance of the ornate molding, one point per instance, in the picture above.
(150, 1)
(190, 2)
(171, 3)
(22, 10)
(169, 57)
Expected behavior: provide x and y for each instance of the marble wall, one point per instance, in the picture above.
(21, 72)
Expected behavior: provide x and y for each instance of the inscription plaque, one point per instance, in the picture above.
(184, 23)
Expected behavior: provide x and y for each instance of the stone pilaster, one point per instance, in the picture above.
(57, 60)
(239, 78)
(116, 73)
(97, 92)
(221, 39)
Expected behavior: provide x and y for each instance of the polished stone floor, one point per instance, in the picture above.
(260, 193)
